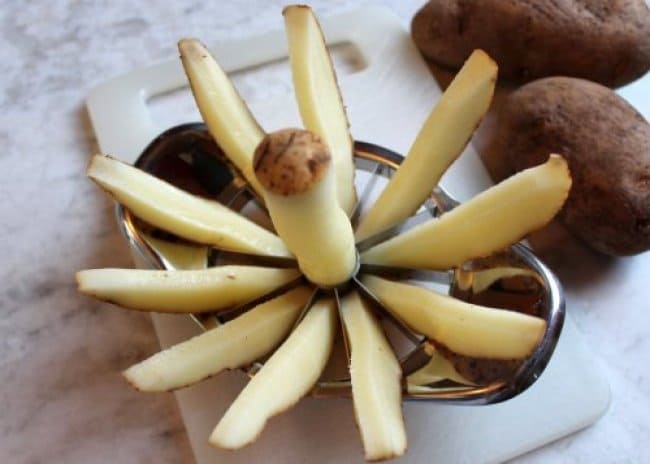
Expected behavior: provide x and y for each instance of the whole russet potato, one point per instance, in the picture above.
(606, 41)
(607, 145)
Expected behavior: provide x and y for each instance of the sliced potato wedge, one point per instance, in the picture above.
(229, 120)
(376, 382)
(234, 344)
(437, 369)
(319, 98)
(489, 222)
(183, 291)
(480, 280)
(481, 371)
(294, 168)
(287, 376)
(176, 211)
(464, 328)
(179, 255)
(441, 140)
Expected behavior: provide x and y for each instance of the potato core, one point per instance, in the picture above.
(291, 161)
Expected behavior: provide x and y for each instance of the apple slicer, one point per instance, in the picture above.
(189, 148)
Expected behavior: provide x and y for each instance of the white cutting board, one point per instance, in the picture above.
(387, 101)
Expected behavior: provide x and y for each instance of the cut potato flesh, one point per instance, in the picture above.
(319, 98)
(287, 376)
(376, 382)
(321, 237)
(437, 369)
(441, 140)
(179, 255)
(294, 168)
(464, 328)
(479, 281)
(237, 343)
(490, 222)
(183, 291)
(229, 120)
(174, 210)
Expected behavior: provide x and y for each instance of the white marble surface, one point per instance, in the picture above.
(62, 397)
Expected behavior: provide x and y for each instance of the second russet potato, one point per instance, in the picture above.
(607, 145)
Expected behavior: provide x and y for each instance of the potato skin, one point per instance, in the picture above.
(607, 145)
(291, 161)
(603, 41)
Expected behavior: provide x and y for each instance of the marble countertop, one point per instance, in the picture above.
(62, 396)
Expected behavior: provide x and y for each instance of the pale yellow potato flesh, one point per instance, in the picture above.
(179, 255)
(319, 98)
(441, 140)
(181, 213)
(287, 376)
(479, 281)
(234, 344)
(437, 369)
(464, 328)
(376, 382)
(229, 120)
(316, 230)
(489, 222)
(183, 291)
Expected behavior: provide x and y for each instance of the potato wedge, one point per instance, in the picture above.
(437, 369)
(179, 255)
(234, 344)
(319, 98)
(478, 281)
(489, 222)
(441, 140)
(376, 382)
(294, 168)
(183, 291)
(176, 211)
(481, 371)
(287, 376)
(464, 328)
(229, 120)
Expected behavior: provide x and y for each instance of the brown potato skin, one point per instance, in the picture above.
(599, 40)
(607, 145)
(291, 161)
